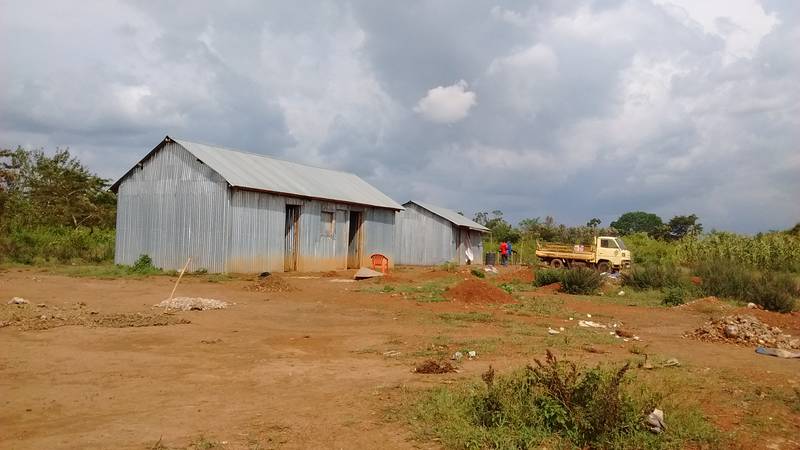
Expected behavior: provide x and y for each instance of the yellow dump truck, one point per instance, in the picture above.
(606, 254)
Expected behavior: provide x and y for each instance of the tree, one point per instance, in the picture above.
(37, 189)
(681, 226)
(593, 223)
(481, 218)
(638, 222)
(501, 230)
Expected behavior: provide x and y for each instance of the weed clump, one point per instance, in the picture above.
(674, 296)
(554, 404)
(547, 276)
(581, 281)
(478, 273)
(144, 266)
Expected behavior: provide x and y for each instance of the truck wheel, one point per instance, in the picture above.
(603, 266)
(556, 264)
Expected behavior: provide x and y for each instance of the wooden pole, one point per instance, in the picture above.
(185, 266)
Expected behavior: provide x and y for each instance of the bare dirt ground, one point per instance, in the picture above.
(318, 361)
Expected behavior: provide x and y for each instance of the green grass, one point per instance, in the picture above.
(429, 292)
(555, 405)
(538, 306)
(463, 318)
(106, 271)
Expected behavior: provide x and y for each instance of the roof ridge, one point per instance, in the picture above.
(261, 155)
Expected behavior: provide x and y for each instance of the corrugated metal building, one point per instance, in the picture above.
(428, 235)
(232, 211)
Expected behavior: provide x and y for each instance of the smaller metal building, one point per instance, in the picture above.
(232, 211)
(427, 235)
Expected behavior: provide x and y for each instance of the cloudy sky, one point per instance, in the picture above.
(575, 109)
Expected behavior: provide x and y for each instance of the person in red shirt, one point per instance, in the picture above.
(503, 253)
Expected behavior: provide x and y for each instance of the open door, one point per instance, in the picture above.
(292, 237)
(354, 241)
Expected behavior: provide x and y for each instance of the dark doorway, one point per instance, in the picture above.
(292, 237)
(354, 241)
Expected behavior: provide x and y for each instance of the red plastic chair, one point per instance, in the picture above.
(381, 261)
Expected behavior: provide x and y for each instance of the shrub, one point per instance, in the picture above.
(478, 273)
(674, 296)
(652, 276)
(775, 292)
(547, 276)
(725, 278)
(57, 244)
(649, 251)
(552, 404)
(144, 266)
(581, 281)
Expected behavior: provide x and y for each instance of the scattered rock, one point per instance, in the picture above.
(621, 293)
(672, 362)
(41, 305)
(18, 301)
(392, 353)
(192, 304)
(457, 356)
(211, 341)
(752, 305)
(552, 331)
(472, 354)
(364, 273)
(743, 329)
(431, 366)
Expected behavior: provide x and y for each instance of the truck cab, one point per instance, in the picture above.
(606, 254)
(612, 250)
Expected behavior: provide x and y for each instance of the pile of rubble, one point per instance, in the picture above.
(744, 329)
(271, 283)
(192, 304)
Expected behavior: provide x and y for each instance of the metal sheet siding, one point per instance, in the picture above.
(170, 208)
(257, 224)
(450, 215)
(379, 226)
(424, 238)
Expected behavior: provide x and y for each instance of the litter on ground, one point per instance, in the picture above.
(590, 324)
(18, 301)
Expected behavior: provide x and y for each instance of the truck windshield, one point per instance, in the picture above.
(621, 244)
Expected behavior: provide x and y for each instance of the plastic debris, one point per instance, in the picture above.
(491, 269)
(780, 353)
(552, 331)
(472, 354)
(672, 362)
(590, 324)
(589, 316)
(392, 353)
(18, 301)
(655, 421)
(621, 293)
(457, 356)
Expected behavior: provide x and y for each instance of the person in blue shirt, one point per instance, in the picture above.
(510, 252)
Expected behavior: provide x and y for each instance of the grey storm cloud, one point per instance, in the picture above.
(573, 109)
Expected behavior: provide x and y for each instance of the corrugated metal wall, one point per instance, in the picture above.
(172, 208)
(175, 207)
(424, 238)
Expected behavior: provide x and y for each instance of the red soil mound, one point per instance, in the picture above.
(523, 275)
(477, 291)
(551, 288)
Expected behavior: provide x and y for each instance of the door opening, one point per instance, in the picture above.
(354, 241)
(292, 238)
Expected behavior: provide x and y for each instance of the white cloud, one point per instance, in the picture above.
(447, 104)
(740, 23)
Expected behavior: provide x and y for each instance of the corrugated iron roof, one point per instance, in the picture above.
(450, 215)
(263, 173)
